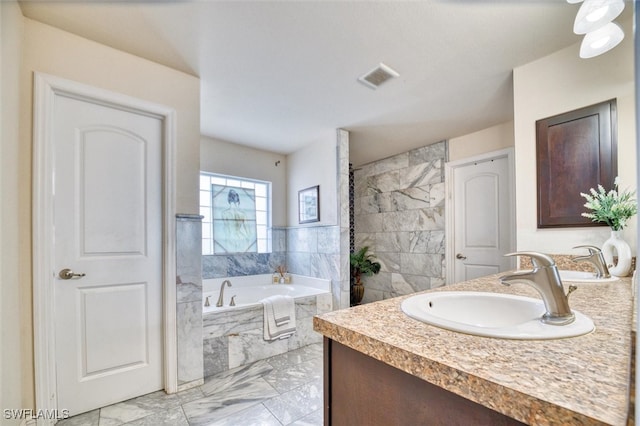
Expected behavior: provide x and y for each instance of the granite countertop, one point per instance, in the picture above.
(580, 380)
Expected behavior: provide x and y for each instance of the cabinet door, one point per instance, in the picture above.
(360, 390)
(576, 151)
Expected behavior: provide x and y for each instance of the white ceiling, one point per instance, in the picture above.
(278, 75)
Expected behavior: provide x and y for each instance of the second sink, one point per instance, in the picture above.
(497, 315)
(587, 277)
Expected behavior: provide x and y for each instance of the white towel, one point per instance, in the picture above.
(279, 317)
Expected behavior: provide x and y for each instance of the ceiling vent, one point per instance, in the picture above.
(378, 76)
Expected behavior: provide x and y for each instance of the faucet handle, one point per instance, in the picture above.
(592, 249)
(538, 259)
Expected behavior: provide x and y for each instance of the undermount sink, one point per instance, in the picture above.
(497, 315)
(580, 276)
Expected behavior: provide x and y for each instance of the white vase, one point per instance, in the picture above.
(615, 245)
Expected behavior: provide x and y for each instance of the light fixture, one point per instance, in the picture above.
(574, 1)
(601, 40)
(595, 14)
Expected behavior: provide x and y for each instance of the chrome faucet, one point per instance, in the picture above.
(221, 297)
(545, 278)
(596, 258)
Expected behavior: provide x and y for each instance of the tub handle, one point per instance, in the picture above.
(233, 300)
(206, 301)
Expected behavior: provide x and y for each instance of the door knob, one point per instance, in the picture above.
(67, 274)
(461, 256)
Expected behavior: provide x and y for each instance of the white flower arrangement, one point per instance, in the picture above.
(613, 208)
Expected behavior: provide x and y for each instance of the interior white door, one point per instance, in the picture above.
(482, 228)
(108, 231)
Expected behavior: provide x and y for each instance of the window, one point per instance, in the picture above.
(237, 214)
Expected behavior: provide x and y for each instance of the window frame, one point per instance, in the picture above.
(263, 217)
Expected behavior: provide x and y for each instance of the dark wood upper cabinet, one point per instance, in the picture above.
(575, 151)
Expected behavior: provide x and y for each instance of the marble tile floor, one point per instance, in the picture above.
(282, 390)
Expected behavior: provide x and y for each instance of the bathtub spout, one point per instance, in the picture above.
(221, 297)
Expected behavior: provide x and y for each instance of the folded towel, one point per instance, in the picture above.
(283, 321)
(283, 308)
(279, 317)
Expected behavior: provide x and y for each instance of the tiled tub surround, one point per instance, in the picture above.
(582, 380)
(233, 336)
(251, 289)
(313, 251)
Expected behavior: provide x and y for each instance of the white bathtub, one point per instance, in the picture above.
(234, 335)
(250, 290)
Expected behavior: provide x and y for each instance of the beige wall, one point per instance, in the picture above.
(13, 392)
(316, 164)
(217, 156)
(487, 140)
(559, 83)
(49, 50)
(63, 54)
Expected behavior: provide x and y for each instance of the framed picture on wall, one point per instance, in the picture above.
(309, 205)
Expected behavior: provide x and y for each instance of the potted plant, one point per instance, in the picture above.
(614, 208)
(362, 263)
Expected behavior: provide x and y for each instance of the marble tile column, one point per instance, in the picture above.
(344, 177)
(189, 300)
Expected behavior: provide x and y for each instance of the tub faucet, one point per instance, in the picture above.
(221, 297)
(545, 278)
(596, 258)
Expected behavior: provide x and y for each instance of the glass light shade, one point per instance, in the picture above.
(601, 40)
(594, 14)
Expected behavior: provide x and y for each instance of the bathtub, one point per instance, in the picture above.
(252, 295)
(250, 290)
(233, 335)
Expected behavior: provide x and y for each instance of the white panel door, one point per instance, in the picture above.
(108, 226)
(482, 203)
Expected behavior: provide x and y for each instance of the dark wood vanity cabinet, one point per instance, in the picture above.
(360, 390)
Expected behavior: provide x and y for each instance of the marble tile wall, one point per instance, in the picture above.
(399, 214)
(189, 300)
(235, 337)
(233, 265)
(315, 252)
